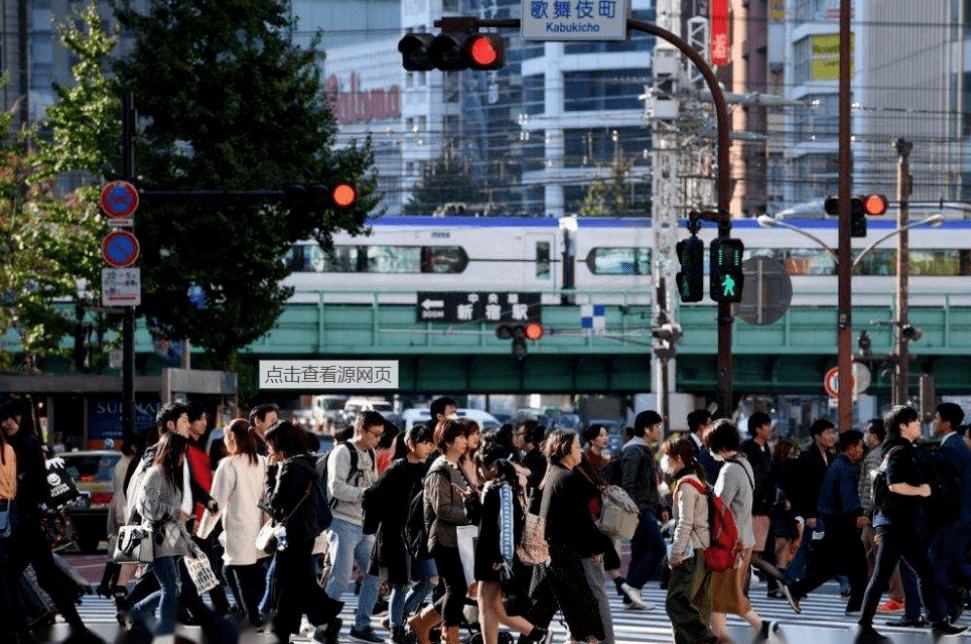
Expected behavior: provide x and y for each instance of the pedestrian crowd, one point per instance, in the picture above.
(445, 527)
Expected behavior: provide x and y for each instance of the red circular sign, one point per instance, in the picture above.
(119, 248)
(831, 382)
(119, 199)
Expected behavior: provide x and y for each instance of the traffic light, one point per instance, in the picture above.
(452, 51)
(726, 274)
(519, 333)
(669, 334)
(302, 198)
(691, 278)
(860, 208)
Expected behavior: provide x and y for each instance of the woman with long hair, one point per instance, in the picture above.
(237, 488)
(290, 474)
(500, 531)
(688, 603)
(450, 501)
(27, 545)
(392, 495)
(158, 499)
(572, 537)
(8, 503)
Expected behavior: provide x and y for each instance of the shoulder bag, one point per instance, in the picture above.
(533, 549)
(266, 538)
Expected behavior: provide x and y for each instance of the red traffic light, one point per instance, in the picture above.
(485, 51)
(874, 205)
(533, 331)
(344, 195)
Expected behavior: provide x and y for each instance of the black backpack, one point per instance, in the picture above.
(351, 472)
(415, 532)
(318, 494)
(883, 499)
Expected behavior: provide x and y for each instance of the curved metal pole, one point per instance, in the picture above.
(930, 221)
(723, 188)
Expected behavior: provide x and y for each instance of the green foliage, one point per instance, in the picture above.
(608, 198)
(446, 183)
(228, 103)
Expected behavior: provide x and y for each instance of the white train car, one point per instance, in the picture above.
(613, 259)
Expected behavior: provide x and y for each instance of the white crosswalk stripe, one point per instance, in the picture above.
(824, 609)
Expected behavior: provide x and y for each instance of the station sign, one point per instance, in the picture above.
(350, 375)
(480, 306)
(569, 20)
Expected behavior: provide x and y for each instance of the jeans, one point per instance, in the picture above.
(425, 569)
(646, 551)
(166, 598)
(247, 584)
(796, 569)
(267, 603)
(348, 544)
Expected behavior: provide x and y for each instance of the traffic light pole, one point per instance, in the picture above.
(128, 116)
(722, 181)
(844, 321)
(901, 388)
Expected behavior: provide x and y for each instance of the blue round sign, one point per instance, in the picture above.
(119, 199)
(119, 248)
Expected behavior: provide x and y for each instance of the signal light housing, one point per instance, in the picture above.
(726, 276)
(519, 333)
(452, 51)
(691, 278)
(860, 207)
(874, 205)
(302, 198)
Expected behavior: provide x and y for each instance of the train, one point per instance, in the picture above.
(612, 259)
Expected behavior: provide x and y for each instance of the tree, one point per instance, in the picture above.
(227, 102)
(52, 234)
(444, 184)
(610, 197)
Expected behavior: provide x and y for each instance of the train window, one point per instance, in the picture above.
(443, 259)
(937, 263)
(394, 259)
(880, 261)
(619, 261)
(310, 258)
(543, 260)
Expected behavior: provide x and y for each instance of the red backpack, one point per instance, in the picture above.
(725, 544)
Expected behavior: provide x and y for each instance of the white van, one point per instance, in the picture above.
(357, 404)
(485, 420)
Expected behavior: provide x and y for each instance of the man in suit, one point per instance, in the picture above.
(951, 541)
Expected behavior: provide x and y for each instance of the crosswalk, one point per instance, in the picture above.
(822, 620)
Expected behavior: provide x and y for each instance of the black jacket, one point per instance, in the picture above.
(286, 484)
(567, 513)
(32, 488)
(810, 469)
(764, 495)
(387, 503)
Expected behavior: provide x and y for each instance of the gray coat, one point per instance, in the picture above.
(735, 487)
(444, 504)
(160, 503)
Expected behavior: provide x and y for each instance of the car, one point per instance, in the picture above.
(485, 420)
(92, 472)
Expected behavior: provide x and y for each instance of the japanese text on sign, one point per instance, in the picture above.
(479, 307)
(329, 374)
(575, 19)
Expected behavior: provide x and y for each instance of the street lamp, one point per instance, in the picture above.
(905, 332)
(765, 221)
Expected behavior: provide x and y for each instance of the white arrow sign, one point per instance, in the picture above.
(428, 304)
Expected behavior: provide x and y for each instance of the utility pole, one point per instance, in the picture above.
(844, 313)
(128, 116)
(901, 389)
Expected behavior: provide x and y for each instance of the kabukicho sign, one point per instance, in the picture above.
(360, 105)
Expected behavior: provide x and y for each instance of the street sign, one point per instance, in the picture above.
(831, 382)
(348, 375)
(119, 199)
(121, 287)
(581, 20)
(119, 248)
(768, 291)
(479, 307)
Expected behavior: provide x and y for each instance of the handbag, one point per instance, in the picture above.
(7, 518)
(266, 539)
(134, 545)
(533, 549)
(200, 570)
(58, 528)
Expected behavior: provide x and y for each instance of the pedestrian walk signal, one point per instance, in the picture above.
(727, 278)
(691, 278)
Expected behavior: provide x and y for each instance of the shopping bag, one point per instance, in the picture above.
(467, 535)
(201, 572)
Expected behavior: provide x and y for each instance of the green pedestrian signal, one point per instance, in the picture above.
(727, 279)
(691, 278)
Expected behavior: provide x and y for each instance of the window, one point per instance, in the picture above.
(543, 260)
(878, 262)
(310, 258)
(619, 261)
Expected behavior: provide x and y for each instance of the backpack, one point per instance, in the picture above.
(415, 532)
(619, 515)
(725, 542)
(351, 472)
(318, 490)
(880, 491)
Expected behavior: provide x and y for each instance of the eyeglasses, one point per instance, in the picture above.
(377, 434)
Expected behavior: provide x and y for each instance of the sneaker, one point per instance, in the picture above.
(793, 602)
(636, 601)
(941, 629)
(327, 633)
(891, 606)
(366, 635)
(844, 594)
(909, 622)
